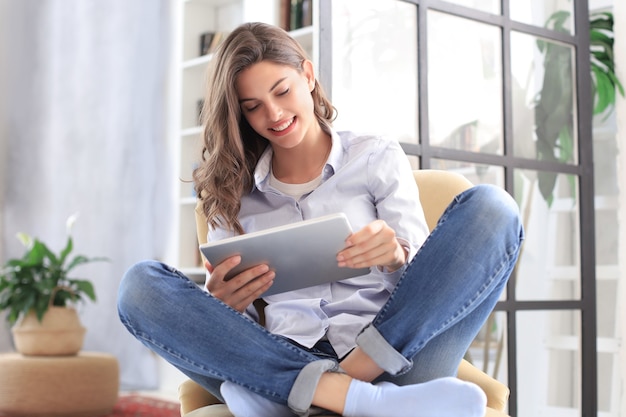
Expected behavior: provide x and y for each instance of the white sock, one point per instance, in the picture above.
(244, 403)
(445, 397)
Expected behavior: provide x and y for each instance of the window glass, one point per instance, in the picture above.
(553, 14)
(375, 84)
(548, 359)
(490, 6)
(543, 99)
(464, 84)
(549, 262)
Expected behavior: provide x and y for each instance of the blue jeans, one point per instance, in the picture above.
(437, 308)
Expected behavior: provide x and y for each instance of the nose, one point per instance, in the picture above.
(274, 112)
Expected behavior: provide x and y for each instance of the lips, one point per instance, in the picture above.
(283, 127)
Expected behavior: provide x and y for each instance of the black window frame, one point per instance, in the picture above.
(583, 170)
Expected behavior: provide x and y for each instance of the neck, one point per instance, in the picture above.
(303, 163)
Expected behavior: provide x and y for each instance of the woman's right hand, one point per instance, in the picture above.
(240, 291)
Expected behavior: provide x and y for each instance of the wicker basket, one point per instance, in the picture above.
(60, 333)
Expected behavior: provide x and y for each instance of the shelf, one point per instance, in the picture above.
(191, 131)
(201, 16)
(572, 343)
(567, 205)
(197, 62)
(572, 273)
(304, 36)
(185, 201)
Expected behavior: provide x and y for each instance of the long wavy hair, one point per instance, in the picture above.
(231, 147)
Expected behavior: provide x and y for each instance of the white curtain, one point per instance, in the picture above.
(84, 130)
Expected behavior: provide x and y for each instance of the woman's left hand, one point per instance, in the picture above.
(375, 244)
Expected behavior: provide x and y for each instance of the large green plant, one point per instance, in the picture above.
(605, 82)
(554, 117)
(39, 279)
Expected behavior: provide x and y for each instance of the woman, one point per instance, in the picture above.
(386, 343)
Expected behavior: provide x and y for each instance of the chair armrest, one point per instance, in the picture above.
(202, 228)
(193, 396)
(497, 392)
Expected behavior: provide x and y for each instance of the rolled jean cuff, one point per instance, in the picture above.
(303, 389)
(381, 352)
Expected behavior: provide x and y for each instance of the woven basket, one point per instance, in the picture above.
(60, 333)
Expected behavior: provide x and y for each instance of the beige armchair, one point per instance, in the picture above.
(437, 189)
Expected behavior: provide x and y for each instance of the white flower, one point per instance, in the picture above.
(26, 240)
(70, 223)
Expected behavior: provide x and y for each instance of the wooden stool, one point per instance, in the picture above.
(84, 385)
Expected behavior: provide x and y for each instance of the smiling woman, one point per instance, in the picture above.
(282, 112)
(271, 157)
(289, 98)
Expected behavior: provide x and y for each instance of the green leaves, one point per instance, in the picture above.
(604, 80)
(554, 111)
(554, 106)
(40, 279)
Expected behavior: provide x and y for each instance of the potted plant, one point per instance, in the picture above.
(39, 296)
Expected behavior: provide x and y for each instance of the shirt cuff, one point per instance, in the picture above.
(409, 248)
(410, 252)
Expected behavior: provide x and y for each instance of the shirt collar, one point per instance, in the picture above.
(263, 167)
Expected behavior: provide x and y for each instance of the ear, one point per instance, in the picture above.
(309, 73)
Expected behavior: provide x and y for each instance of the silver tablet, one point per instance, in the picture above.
(302, 254)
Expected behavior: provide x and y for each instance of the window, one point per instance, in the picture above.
(497, 91)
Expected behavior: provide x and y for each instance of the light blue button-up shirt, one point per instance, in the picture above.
(367, 178)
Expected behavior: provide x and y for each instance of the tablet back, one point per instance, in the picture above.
(302, 254)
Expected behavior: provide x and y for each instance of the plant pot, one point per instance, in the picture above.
(60, 333)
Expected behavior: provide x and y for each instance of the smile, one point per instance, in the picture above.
(283, 125)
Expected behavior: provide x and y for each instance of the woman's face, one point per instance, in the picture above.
(276, 101)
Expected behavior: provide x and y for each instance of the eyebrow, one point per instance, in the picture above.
(270, 90)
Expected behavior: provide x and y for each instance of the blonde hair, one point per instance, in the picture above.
(231, 147)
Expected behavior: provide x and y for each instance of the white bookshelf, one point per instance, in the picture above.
(192, 18)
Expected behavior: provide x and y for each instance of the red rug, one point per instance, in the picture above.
(133, 405)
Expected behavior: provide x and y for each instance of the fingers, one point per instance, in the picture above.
(246, 294)
(240, 291)
(374, 245)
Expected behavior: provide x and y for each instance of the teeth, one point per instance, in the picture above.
(283, 126)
